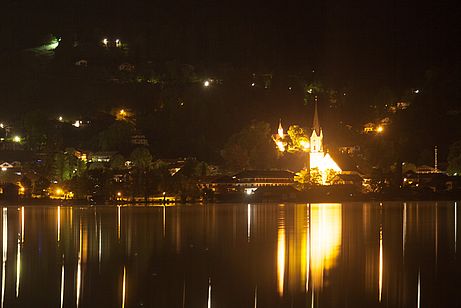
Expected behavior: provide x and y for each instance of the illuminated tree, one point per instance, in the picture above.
(315, 177)
(330, 175)
(299, 141)
(302, 179)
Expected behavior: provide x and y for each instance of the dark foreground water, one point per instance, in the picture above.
(232, 255)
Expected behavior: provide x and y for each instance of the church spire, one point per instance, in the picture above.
(280, 130)
(315, 124)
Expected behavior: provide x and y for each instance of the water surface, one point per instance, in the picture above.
(232, 255)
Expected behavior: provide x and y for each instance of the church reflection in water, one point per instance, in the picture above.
(312, 248)
(231, 255)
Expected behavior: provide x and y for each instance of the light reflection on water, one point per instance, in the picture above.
(232, 255)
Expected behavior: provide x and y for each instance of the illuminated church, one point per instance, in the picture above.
(318, 158)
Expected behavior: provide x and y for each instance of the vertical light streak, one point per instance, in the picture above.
(418, 304)
(62, 284)
(281, 250)
(22, 224)
(209, 293)
(124, 287)
(163, 221)
(99, 244)
(312, 299)
(308, 249)
(256, 297)
(380, 262)
(456, 222)
(436, 234)
(18, 267)
(184, 293)
(404, 228)
(248, 222)
(79, 268)
(118, 222)
(59, 223)
(325, 240)
(5, 251)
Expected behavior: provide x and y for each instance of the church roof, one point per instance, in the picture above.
(315, 124)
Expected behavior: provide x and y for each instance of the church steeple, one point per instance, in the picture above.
(315, 124)
(280, 130)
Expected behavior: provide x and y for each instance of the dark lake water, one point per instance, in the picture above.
(232, 255)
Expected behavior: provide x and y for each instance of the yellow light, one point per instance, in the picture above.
(124, 287)
(305, 144)
(105, 41)
(122, 112)
(58, 191)
(281, 248)
(17, 139)
(325, 239)
(280, 132)
(60, 119)
(206, 83)
(280, 146)
(380, 263)
(119, 194)
(379, 129)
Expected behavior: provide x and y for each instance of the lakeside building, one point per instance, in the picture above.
(248, 181)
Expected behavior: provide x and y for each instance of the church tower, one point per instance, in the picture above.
(316, 153)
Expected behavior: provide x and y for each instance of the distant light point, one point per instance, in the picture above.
(206, 83)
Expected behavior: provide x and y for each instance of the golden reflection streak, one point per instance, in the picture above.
(163, 221)
(404, 228)
(281, 251)
(308, 250)
(209, 293)
(436, 234)
(118, 222)
(418, 304)
(18, 267)
(79, 268)
(325, 239)
(22, 224)
(124, 287)
(312, 300)
(58, 227)
(380, 262)
(62, 283)
(248, 222)
(256, 297)
(99, 244)
(5, 251)
(456, 222)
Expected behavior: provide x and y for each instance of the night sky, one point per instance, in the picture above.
(374, 41)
